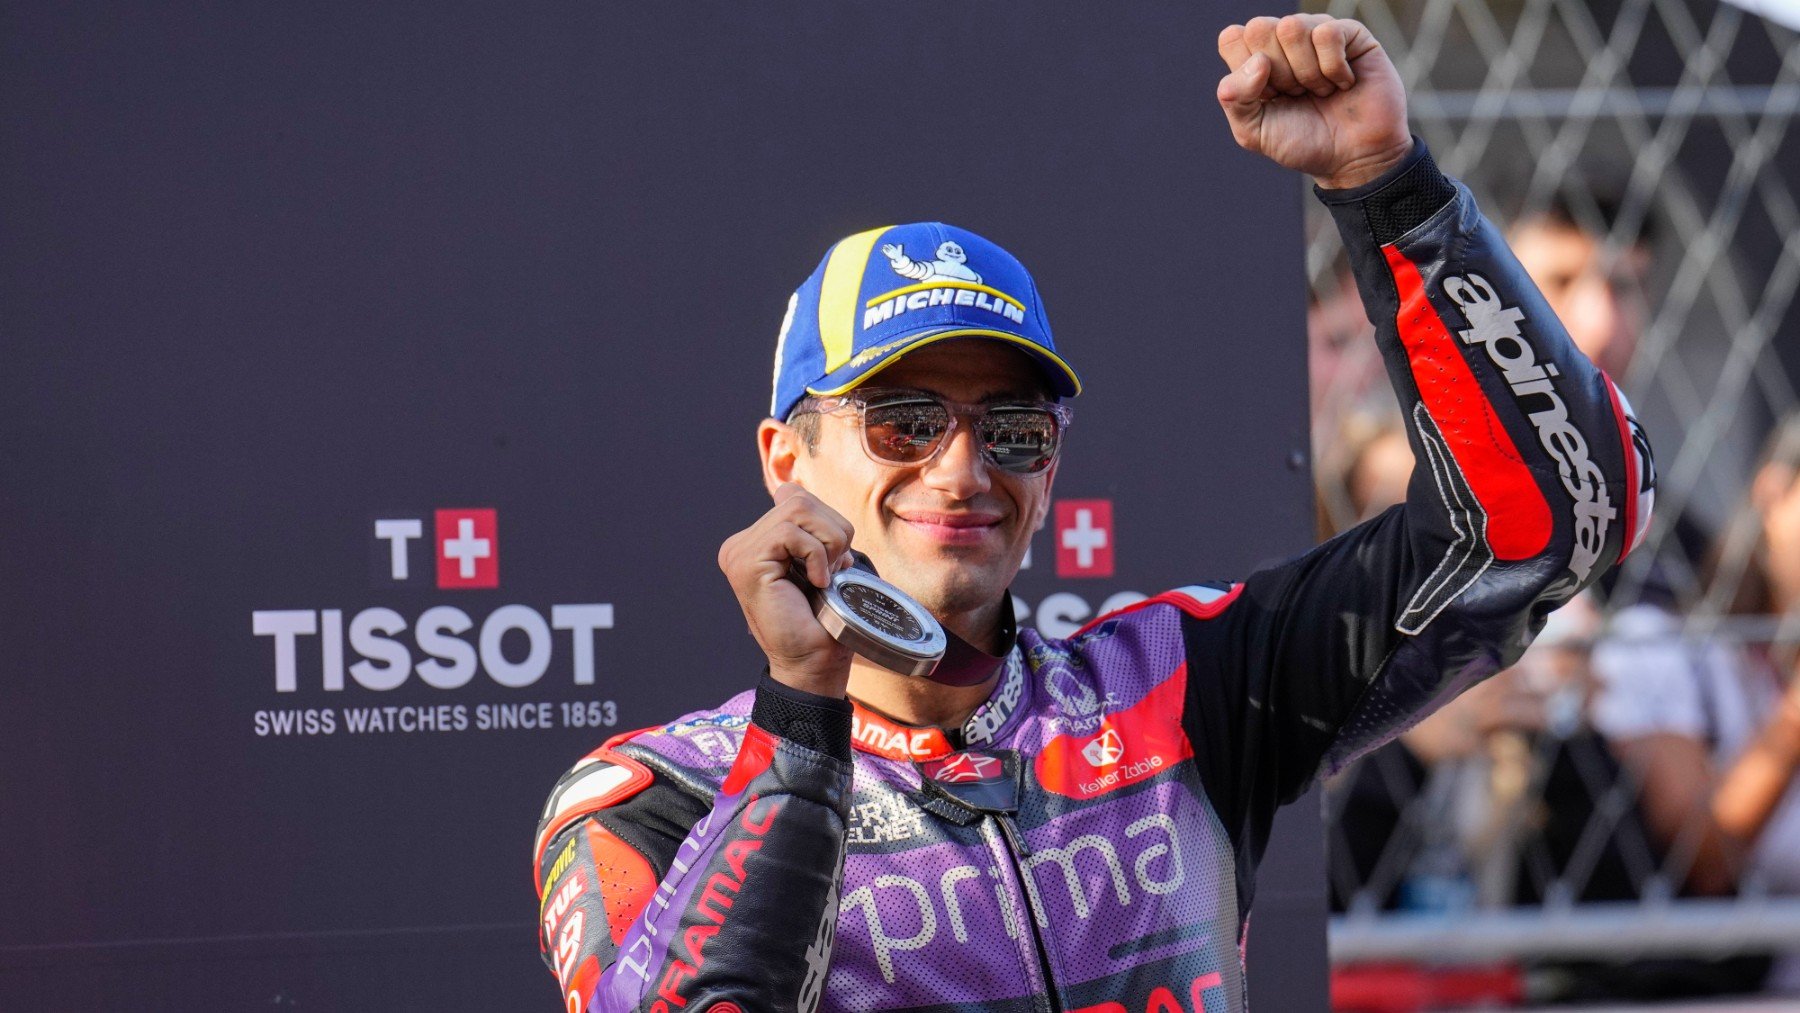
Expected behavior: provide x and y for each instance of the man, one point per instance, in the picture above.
(1596, 292)
(1077, 826)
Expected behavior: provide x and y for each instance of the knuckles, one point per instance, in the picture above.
(1293, 29)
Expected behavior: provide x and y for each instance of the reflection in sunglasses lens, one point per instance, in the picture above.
(905, 432)
(1019, 440)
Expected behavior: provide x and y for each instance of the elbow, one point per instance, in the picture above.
(1637, 485)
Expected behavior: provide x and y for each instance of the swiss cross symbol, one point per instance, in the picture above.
(468, 549)
(1084, 538)
(965, 767)
(1106, 749)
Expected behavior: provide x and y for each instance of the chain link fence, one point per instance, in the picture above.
(1644, 157)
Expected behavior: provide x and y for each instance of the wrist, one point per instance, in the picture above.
(827, 676)
(1366, 169)
(819, 723)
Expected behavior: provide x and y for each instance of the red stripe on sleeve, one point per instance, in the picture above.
(1519, 523)
(1631, 468)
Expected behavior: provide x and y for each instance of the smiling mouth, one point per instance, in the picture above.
(953, 529)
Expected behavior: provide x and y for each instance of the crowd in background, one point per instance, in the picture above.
(1647, 745)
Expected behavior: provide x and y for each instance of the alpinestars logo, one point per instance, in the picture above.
(964, 768)
(1495, 326)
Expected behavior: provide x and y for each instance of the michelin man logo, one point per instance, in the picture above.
(951, 264)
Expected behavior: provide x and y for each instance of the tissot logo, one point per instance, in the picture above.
(384, 646)
(465, 549)
(1084, 538)
(468, 549)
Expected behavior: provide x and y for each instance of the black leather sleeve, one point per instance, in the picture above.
(656, 896)
(1528, 486)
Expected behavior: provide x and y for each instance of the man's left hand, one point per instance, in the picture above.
(1316, 94)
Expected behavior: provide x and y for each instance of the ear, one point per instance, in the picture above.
(780, 447)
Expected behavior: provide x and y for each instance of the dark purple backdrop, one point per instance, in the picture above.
(273, 272)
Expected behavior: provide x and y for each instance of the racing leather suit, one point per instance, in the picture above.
(1087, 841)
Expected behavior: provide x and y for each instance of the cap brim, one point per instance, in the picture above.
(1061, 375)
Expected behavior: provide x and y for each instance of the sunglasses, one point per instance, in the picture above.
(912, 427)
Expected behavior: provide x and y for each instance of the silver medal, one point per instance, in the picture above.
(876, 620)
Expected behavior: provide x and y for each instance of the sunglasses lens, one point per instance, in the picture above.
(1020, 440)
(904, 432)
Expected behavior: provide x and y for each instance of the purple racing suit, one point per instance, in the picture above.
(1088, 840)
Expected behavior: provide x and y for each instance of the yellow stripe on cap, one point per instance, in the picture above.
(838, 292)
(967, 332)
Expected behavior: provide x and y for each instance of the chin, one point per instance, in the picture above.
(952, 590)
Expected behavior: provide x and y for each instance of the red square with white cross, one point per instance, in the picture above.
(468, 549)
(1084, 538)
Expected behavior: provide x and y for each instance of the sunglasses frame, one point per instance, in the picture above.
(861, 401)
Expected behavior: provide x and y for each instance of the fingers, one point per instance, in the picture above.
(1330, 42)
(1295, 36)
(1261, 36)
(797, 543)
(1241, 96)
(810, 531)
(1308, 54)
(1232, 48)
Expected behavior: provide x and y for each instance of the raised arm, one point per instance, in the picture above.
(1531, 479)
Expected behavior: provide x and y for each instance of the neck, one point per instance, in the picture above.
(916, 701)
(981, 626)
(923, 702)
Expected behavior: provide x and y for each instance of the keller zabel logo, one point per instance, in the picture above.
(445, 645)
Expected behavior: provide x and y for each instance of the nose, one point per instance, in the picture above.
(958, 470)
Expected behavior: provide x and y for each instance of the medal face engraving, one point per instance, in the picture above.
(876, 620)
(880, 611)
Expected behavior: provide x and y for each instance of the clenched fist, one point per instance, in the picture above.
(756, 560)
(1316, 94)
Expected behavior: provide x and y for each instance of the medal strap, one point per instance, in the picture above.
(965, 664)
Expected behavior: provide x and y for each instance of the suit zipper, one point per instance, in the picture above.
(1017, 851)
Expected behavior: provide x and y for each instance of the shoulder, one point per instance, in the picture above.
(671, 766)
(1156, 624)
(1125, 653)
(699, 741)
(1207, 600)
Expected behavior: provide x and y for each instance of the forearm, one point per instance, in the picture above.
(1755, 785)
(1491, 386)
(1527, 485)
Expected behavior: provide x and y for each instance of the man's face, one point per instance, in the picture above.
(1600, 303)
(950, 532)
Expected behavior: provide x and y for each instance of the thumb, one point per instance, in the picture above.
(1240, 95)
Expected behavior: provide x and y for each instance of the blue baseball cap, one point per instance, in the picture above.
(882, 293)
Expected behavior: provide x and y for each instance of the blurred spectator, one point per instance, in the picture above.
(1511, 794)
(1596, 289)
(1344, 370)
(1364, 470)
(1683, 711)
